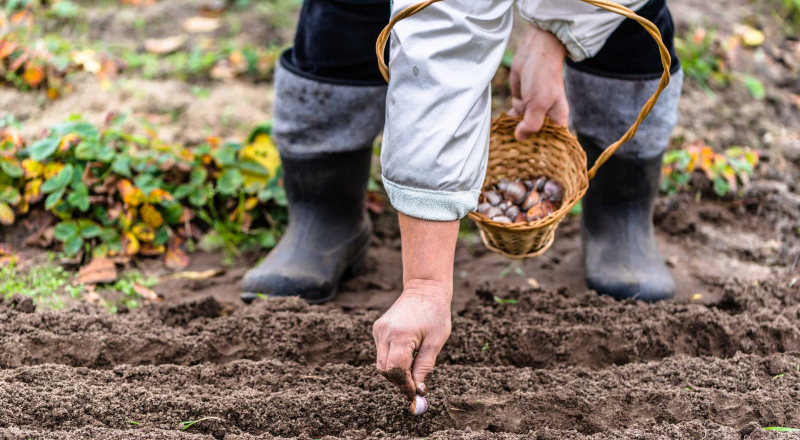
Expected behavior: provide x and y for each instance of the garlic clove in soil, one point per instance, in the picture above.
(419, 406)
(493, 197)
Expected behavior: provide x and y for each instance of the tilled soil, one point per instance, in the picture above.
(553, 365)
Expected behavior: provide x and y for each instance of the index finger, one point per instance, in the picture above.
(398, 369)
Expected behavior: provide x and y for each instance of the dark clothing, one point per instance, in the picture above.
(335, 43)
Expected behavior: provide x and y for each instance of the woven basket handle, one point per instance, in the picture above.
(666, 61)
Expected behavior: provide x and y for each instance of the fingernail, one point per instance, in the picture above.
(422, 390)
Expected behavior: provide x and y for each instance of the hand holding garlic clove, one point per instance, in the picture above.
(521, 201)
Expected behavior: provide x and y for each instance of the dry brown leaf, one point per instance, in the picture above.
(176, 257)
(196, 275)
(146, 293)
(99, 270)
(195, 25)
(164, 45)
(533, 283)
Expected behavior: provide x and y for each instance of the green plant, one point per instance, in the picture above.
(700, 54)
(727, 171)
(781, 429)
(118, 193)
(186, 425)
(502, 301)
(40, 282)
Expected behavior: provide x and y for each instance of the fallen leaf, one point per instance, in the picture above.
(533, 283)
(176, 257)
(99, 270)
(146, 293)
(195, 275)
(164, 45)
(33, 75)
(750, 36)
(196, 25)
(6, 49)
(8, 260)
(6, 249)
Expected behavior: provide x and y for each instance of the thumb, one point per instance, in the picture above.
(423, 365)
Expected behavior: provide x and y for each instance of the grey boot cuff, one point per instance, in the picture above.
(313, 117)
(603, 109)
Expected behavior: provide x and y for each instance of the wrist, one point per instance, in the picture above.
(430, 290)
(548, 41)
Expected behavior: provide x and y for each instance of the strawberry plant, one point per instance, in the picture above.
(726, 171)
(122, 194)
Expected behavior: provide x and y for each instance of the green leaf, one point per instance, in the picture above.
(81, 128)
(79, 198)
(198, 176)
(43, 148)
(108, 235)
(122, 165)
(267, 239)
(721, 186)
(755, 87)
(253, 168)
(73, 246)
(59, 181)
(230, 181)
(11, 168)
(9, 195)
(90, 231)
(199, 197)
(211, 242)
(65, 230)
(162, 235)
(226, 154)
(781, 429)
(184, 190)
(172, 212)
(52, 200)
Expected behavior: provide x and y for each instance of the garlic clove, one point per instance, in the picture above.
(512, 211)
(530, 184)
(553, 190)
(505, 205)
(501, 219)
(483, 208)
(540, 183)
(502, 185)
(494, 211)
(419, 406)
(515, 192)
(532, 200)
(520, 218)
(493, 197)
(538, 212)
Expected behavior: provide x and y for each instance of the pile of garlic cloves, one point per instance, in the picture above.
(521, 201)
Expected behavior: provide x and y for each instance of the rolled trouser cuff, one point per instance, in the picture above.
(429, 204)
(312, 116)
(604, 108)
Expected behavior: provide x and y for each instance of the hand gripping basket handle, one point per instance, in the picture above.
(666, 61)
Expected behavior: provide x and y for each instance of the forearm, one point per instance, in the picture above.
(428, 254)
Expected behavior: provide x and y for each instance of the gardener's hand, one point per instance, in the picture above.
(419, 321)
(537, 82)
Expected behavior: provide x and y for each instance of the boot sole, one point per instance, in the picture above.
(350, 272)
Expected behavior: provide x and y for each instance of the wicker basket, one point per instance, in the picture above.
(553, 152)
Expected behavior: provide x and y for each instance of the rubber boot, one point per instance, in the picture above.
(620, 253)
(329, 229)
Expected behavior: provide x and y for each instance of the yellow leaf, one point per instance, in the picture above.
(32, 168)
(159, 195)
(23, 207)
(250, 203)
(51, 169)
(32, 192)
(263, 152)
(176, 257)
(151, 216)
(750, 36)
(127, 217)
(68, 141)
(6, 214)
(144, 232)
(130, 244)
(131, 195)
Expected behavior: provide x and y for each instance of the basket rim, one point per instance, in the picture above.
(578, 155)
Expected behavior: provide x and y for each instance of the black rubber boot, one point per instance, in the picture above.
(619, 246)
(329, 229)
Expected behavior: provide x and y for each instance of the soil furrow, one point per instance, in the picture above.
(543, 330)
(687, 430)
(289, 399)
